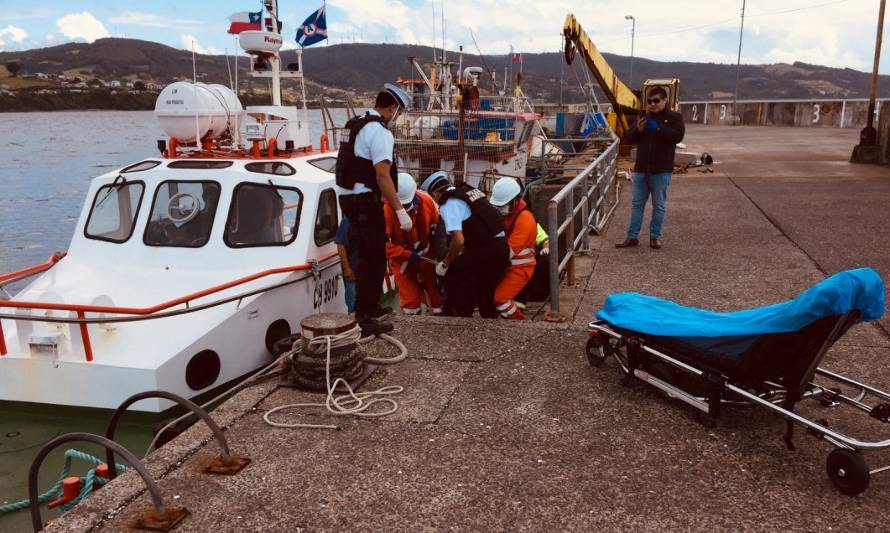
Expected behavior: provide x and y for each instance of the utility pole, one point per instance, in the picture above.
(868, 150)
(738, 66)
(633, 30)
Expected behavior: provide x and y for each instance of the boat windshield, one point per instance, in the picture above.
(182, 214)
(263, 215)
(113, 214)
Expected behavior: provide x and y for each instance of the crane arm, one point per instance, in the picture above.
(621, 97)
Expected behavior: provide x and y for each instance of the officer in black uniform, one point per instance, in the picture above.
(366, 176)
(478, 254)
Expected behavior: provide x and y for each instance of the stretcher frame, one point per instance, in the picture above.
(845, 465)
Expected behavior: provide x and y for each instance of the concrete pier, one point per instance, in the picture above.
(503, 426)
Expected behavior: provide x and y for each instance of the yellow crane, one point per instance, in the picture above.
(625, 102)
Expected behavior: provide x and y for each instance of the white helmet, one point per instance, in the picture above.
(504, 191)
(407, 188)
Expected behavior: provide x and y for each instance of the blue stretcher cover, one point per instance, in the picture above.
(843, 292)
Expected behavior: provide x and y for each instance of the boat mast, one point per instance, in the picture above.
(275, 61)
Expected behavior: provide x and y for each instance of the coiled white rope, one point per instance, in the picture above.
(350, 402)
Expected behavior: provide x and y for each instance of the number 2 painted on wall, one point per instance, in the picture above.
(694, 113)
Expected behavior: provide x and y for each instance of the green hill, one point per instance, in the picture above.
(363, 68)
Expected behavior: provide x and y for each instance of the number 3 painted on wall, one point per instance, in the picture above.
(723, 112)
(816, 113)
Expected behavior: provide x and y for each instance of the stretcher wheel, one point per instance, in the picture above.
(848, 471)
(596, 356)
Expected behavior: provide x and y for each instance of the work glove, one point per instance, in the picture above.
(404, 220)
(651, 123)
(441, 269)
(415, 257)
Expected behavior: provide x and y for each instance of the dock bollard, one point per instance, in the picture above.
(310, 364)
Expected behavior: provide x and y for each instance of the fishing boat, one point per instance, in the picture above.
(185, 269)
(453, 127)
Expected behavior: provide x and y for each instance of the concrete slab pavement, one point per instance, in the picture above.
(504, 426)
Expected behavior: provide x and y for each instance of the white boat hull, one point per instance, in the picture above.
(239, 339)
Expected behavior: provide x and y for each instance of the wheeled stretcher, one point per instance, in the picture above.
(767, 357)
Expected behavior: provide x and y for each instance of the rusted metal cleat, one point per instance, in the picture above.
(153, 520)
(218, 465)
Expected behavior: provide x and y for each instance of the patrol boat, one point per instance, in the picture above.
(185, 269)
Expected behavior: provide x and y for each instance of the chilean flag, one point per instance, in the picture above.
(244, 21)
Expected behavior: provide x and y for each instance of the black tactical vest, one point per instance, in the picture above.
(352, 169)
(485, 221)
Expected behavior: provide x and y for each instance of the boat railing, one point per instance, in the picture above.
(6, 279)
(583, 205)
(141, 313)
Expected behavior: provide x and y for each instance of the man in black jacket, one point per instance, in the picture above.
(657, 132)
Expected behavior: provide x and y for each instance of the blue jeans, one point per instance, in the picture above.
(643, 186)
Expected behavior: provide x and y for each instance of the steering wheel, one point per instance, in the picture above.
(174, 204)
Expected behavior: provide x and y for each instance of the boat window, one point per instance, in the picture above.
(263, 215)
(139, 167)
(326, 220)
(203, 165)
(271, 167)
(182, 214)
(526, 132)
(328, 164)
(114, 211)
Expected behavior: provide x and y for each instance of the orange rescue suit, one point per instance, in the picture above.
(522, 229)
(416, 281)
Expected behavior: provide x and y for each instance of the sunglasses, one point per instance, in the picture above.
(653, 100)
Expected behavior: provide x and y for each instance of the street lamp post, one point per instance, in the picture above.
(633, 27)
(868, 150)
(736, 119)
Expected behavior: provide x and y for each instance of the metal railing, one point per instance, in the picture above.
(594, 207)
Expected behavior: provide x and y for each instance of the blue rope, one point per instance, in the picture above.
(89, 482)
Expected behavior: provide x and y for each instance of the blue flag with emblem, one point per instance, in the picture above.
(313, 30)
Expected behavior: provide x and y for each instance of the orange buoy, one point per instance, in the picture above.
(324, 146)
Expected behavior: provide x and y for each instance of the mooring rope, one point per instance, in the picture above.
(88, 482)
(350, 402)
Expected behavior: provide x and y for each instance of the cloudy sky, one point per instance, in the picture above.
(838, 33)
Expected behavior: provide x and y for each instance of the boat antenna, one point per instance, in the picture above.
(494, 79)
(442, 7)
(195, 78)
(433, 6)
(229, 68)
